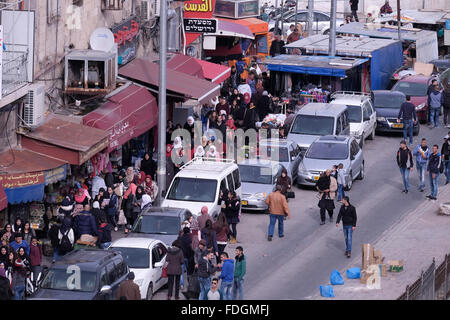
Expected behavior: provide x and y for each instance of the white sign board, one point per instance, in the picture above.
(427, 49)
(1, 59)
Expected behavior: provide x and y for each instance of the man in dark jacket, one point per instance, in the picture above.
(446, 103)
(104, 234)
(205, 270)
(263, 105)
(5, 293)
(53, 236)
(408, 116)
(175, 260)
(277, 47)
(403, 155)
(128, 290)
(434, 164)
(445, 152)
(250, 116)
(188, 253)
(84, 223)
(348, 215)
(354, 8)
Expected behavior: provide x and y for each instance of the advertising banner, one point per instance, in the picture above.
(197, 9)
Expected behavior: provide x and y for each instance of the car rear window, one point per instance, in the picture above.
(138, 258)
(327, 151)
(313, 125)
(415, 89)
(388, 101)
(354, 114)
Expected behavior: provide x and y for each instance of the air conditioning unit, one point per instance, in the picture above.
(34, 107)
(150, 9)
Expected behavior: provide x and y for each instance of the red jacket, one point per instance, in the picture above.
(35, 255)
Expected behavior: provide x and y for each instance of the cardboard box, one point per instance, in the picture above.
(365, 276)
(367, 255)
(395, 265)
(383, 270)
(378, 257)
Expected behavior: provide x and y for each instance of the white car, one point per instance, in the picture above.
(361, 113)
(145, 257)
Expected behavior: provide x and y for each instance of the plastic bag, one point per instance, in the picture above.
(326, 291)
(336, 278)
(353, 273)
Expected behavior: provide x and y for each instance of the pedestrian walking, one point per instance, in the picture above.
(408, 116)
(188, 253)
(284, 181)
(174, 260)
(240, 270)
(433, 170)
(341, 181)
(205, 271)
(35, 257)
(348, 215)
(327, 187)
(53, 236)
(199, 252)
(354, 8)
(278, 208)
(226, 275)
(403, 155)
(422, 152)
(128, 290)
(435, 101)
(232, 209)
(104, 234)
(66, 237)
(222, 231)
(214, 293)
(112, 208)
(445, 151)
(446, 103)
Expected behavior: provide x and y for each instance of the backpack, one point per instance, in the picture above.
(65, 245)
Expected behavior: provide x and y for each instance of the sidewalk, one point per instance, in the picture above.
(416, 239)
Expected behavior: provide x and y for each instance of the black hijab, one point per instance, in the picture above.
(324, 182)
(66, 225)
(139, 195)
(4, 257)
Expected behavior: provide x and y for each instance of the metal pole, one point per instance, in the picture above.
(332, 36)
(310, 16)
(161, 172)
(296, 9)
(398, 21)
(276, 22)
(282, 20)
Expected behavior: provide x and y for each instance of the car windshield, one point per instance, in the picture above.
(354, 114)
(61, 279)
(415, 89)
(156, 224)
(313, 125)
(327, 151)
(137, 258)
(191, 189)
(388, 101)
(255, 174)
(283, 155)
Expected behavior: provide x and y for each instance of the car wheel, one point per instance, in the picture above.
(150, 292)
(350, 182)
(361, 172)
(372, 135)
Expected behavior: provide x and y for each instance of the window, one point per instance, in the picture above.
(313, 125)
(256, 174)
(327, 151)
(320, 17)
(354, 114)
(155, 256)
(103, 278)
(230, 182)
(354, 149)
(156, 224)
(122, 268)
(338, 126)
(292, 152)
(137, 258)
(415, 89)
(237, 179)
(56, 279)
(366, 113)
(191, 189)
(369, 108)
(111, 273)
(223, 185)
(393, 101)
(162, 250)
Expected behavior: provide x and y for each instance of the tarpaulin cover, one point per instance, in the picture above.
(25, 194)
(383, 63)
(308, 70)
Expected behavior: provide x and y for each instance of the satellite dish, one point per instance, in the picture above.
(102, 39)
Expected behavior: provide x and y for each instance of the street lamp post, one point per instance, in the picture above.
(332, 39)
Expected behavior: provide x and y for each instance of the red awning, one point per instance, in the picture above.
(128, 114)
(217, 73)
(147, 72)
(227, 28)
(69, 142)
(18, 161)
(3, 199)
(186, 64)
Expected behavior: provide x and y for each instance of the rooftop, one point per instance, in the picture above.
(138, 242)
(321, 109)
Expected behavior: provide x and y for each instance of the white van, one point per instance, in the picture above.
(199, 182)
(361, 114)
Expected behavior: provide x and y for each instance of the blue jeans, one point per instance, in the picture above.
(56, 255)
(434, 117)
(405, 177)
(408, 126)
(421, 170)
(273, 221)
(447, 170)
(238, 286)
(183, 269)
(348, 237)
(205, 285)
(341, 192)
(225, 287)
(434, 184)
(18, 292)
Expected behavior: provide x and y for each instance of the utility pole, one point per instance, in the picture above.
(399, 26)
(310, 16)
(296, 9)
(277, 20)
(332, 36)
(161, 172)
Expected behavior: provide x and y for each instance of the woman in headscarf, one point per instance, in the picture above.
(212, 153)
(81, 198)
(146, 202)
(130, 176)
(284, 181)
(7, 233)
(150, 187)
(232, 209)
(141, 179)
(180, 158)
(4, 254)
(189, 126)
(129, 196)
(199, 152)
(325, 202)
(170, 167)
(147, 164)
(136, 209)
(28, 232)
(209, 235)
(17, 226)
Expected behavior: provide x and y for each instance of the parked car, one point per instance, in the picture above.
(258, 181)
(321, 21)
(289, 154)
(327, 151)
(159, 223)
(199, 182)
(145, 257)
(361, 114)
(100, 273)
(416, 86)
(318, 119)
(387, 105)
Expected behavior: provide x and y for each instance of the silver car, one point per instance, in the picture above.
(327, 151)
(321, 21)
(289, 154)
(258, 179)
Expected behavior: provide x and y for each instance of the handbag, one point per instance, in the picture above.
(290, 195)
